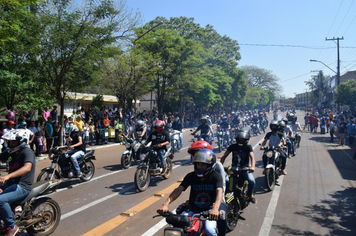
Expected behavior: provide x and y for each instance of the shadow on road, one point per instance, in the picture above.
(336, 214)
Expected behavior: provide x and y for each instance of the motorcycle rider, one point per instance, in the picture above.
(17, 184)
(206, 192)
(295, 127)
(194, 148)
(205, 130)
(287, 132)
(261, 122)
(275, 139)
(139, 131)
(243, 156)
(177, 125)
(225, 125)
(76, 148)
(236, 121)
(160, 138)
(255, 121)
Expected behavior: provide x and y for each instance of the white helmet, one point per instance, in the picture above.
(16, 135)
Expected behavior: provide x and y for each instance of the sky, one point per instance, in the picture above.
(278, 35)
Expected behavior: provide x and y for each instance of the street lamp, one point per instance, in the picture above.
(337, 76)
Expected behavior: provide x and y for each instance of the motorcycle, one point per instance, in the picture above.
(184, 225)
(62, 167)
(223, 141)
(132, 152)
(254, 130)
(273, 168)
(174, 135)
(36, 214)
(236, 196)
(150, 166)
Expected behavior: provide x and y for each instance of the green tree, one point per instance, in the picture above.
(346, 93)
(73, 43)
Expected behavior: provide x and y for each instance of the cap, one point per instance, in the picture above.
(23, 123)
(11, 122)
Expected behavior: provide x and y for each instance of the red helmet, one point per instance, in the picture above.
(159, 125)
(196, 146)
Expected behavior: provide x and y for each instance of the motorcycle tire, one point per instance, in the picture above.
(232, 215)
(88, 169)
(245, 199)
(270, 178)
(126, 161)
(169, 169)
(49, 211)
(174, 146)
(47, 175)
(141, 180)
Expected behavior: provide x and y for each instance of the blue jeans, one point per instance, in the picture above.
(74, 155)
(91, 138)
(11, 193)
(161, 153)
(289, 145)
(210, 225)
(251, 182)
(180, 140)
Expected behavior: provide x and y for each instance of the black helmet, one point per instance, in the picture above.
(242, 134)
(285, 120)
(273, 122)
(281, 125)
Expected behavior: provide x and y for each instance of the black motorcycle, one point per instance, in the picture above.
(36, 214)
(223, 138)
(236, 196)
(62, 166)
(273, 168)
(150, 166)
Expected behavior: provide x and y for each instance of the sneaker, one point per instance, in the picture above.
(289, 155)
(284, 172)
(11, 231)
(253, 199)
(264, 171)
(79, 174)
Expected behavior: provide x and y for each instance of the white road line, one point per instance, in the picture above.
(268, 220)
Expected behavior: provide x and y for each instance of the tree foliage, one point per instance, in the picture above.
(346, 93)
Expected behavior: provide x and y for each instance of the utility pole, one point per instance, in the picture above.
(338, 63)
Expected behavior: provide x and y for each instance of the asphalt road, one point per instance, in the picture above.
(317, 197)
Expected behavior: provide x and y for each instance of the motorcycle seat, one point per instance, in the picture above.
(37, 188)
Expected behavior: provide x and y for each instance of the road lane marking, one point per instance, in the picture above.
(118, 220)
(268, 220)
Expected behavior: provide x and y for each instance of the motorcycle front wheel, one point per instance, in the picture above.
(169, 168)
(270, 179)
(232, 215)
(126, 160)
(142, 179)
(49, 214)
(88, 169)
(47, 175)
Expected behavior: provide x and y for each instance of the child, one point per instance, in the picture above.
(86, 130)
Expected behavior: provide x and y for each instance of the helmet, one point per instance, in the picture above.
(140, 123)
(242, 134)
(273, 123)
(281, 125)
(224, 118)
(196, 146)
(204, 118)
(20, 135)
(204, 156)
(159, 125)
(73, 129)
(285, 120)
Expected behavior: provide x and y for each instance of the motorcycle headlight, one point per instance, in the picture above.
(269, 154)
(220, 133)
(173, 232)
(127, 145)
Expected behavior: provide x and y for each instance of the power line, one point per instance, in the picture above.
(288, 45)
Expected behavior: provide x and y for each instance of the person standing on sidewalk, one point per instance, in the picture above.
(332, 129)
(351, 131)
(49, 133)
(342, 129)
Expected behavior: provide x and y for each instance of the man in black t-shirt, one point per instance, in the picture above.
(76, 148)
(17, 184)
(204, 129)
(242, 154)
(160, 138)
(206, 192)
